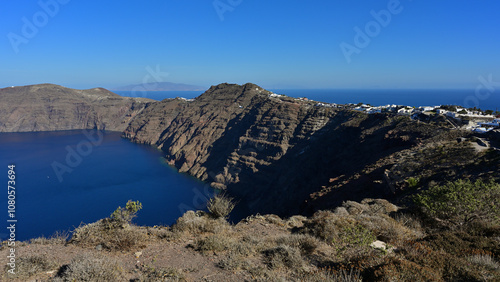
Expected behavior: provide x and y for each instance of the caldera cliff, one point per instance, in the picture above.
(278, 154)
(49, 107)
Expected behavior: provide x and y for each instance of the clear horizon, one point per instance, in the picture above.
(280, 45)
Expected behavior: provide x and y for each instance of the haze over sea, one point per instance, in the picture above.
(376, 97)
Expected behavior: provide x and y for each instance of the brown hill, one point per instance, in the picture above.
(49, 107)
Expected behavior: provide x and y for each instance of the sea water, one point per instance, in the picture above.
(66, 178)
(468, 98)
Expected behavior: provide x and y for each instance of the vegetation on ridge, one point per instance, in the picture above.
(331, 245)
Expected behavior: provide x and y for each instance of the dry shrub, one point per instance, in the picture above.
(220, 206)
(459, 243)
(380, 206)
(388, 229)
(215, 243)
(109, 236)
(31, 265)
(152, 274)
(397, 269)
(324, 225)
(56, 239)
(244, 248)
(295, 221)
(323, 275)
(234, 261)
(306, 243)
(283, 256)
(449, 267)
(344, 232)
(485, 261)
(160, 232)
(198, 223)
(412, 222)
(91, 267)
(370, 206)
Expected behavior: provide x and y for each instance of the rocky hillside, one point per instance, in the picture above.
(49, 107)
(277, 154)
(273, 153)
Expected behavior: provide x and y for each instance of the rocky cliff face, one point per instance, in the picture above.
(275, 153)
(48, 107)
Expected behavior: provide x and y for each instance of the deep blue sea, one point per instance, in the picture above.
(375, 97)
(94, 179)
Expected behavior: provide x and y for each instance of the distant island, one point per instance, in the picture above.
(160, 86)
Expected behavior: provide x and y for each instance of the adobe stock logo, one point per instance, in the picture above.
(223, 6)
(74, 157)
(31, 27)
(372, 29)
(484, 89)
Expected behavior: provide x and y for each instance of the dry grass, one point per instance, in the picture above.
(234, 261)
(56, 239)
(327, 276)
(110, 236)
(306, 243)
(485, 261)
(196, 223)
(284, 256)
(220, 206)
(215, 243)
(91, 267)
(31, 265)
(152, 274)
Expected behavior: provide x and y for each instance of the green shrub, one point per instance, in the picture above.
(220, 206)
(462, 202)
(126, 214)
(355, 235)
(413, 182)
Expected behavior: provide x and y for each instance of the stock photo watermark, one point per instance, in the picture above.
(31, 26)
(223, 6)
(11, 221)
(74, 157)
(363, 36)
(483, 91)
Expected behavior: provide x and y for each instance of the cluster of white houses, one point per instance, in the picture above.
(474, 120)
(478, 121)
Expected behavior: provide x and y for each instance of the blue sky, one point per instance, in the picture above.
(276, 44)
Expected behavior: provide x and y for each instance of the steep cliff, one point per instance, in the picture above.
(49, 107)
(275, 153)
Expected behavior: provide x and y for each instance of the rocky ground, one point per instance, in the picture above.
(370, 241)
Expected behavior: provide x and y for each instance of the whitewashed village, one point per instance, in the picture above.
(475, 120)
(459, 117)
